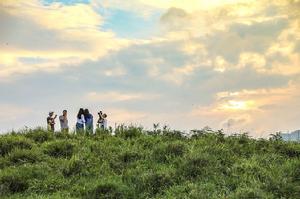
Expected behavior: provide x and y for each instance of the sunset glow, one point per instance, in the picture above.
(188, 64)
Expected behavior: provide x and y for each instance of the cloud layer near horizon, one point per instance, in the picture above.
(226, 64)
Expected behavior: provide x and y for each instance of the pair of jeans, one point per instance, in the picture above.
(79, 128)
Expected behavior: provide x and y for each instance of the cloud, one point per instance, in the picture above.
(112, 96)
(51, 36)
(232, 63)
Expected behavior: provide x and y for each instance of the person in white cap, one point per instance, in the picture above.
(51, 121)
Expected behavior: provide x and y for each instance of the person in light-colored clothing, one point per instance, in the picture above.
(64, 122)
(80, 121)
(102, 122)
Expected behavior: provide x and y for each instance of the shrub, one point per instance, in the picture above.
(39, 135)
(24, 156)
(175, 149)
(17, 179)
(107, 189)
(103, 132)
(173, 134)
(155, 182)
(129, 156)
(13, 184)
(289, 150)
(8, 143)
(73, 167)
(246, 193)
(59, 149)
(197, 165)
(128, 132)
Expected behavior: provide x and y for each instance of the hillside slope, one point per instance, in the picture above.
(143, 164)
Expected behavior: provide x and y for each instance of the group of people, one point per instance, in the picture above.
(85, 121)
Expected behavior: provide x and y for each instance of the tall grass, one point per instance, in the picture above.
(135, 163)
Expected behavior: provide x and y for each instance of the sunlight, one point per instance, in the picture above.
(238, 105)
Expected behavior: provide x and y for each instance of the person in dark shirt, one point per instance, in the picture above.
(51, 121)
(88, 122)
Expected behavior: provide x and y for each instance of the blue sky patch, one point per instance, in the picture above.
(66, 2)
(130, 25)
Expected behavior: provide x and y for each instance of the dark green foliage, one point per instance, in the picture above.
(107, 189)
(19, 179)
(174, 149)
(155, 182)
(59, 149)
(133, 163)
(128, 132)
(73, 167)
(24, 156)
(39, 135)
(197, 165)
(8, 143)
(12, 184)
(129, 156)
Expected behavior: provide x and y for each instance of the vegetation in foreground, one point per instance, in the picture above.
(135, 163)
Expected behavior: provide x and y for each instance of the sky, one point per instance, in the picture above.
(226, 64)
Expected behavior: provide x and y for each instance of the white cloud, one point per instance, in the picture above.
(59, 35)
(113, 96)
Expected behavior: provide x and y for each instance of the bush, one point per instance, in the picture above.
(12, 184)
(24, 156)
(128, 132)
(246, 193)
(171, 150)
(155, 182)
(289, 150)
(74, 167)
(197, 165)
(38, 164)
(129, 156)
(39, 135)
(59, 149)
(17, 179)
(107, 189)
(9, 143)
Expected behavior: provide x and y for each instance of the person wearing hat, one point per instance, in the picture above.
(99, 122)
(51, 121)
(102, 121)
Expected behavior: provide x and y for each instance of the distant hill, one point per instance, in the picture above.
(294, 136)
(134, 163)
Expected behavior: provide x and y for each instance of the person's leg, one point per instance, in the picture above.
(78, 128)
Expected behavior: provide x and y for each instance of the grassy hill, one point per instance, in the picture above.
(146, 164)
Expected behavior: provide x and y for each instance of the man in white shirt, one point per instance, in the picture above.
(64, 122)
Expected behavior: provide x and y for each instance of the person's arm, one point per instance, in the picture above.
(82, 118)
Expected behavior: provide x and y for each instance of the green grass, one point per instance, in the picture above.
(135, 163)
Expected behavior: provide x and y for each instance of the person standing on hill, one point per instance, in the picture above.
(104, 122)
(51, 121)
(100, 119)
(89, 127)
(80, 121)
(64, 122)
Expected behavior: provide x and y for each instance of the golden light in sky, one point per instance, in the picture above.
(188, 63)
